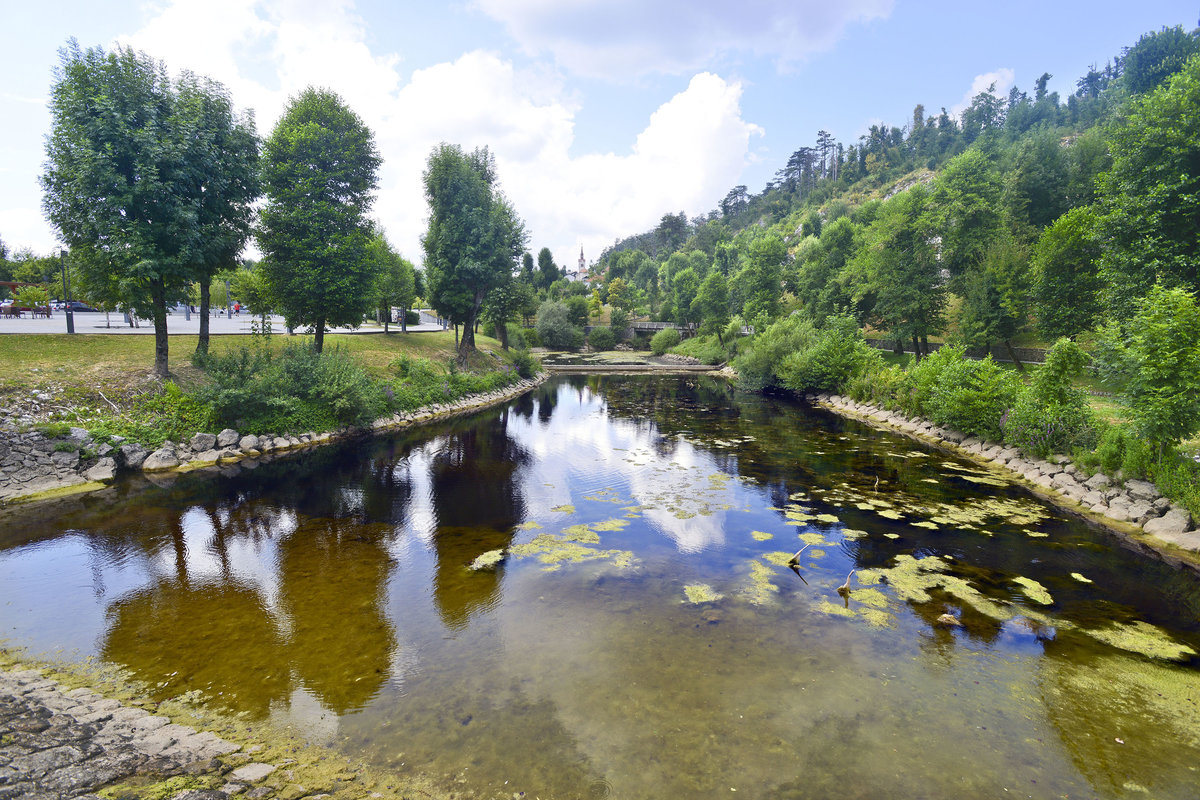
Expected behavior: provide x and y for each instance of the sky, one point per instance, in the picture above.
(603, 115)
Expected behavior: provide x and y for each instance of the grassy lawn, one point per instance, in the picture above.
(110, 369)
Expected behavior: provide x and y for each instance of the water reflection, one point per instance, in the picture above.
(475, 482)
(333, 591)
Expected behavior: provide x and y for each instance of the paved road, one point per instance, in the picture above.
(98, 322)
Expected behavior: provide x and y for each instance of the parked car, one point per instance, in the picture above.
(77, 305)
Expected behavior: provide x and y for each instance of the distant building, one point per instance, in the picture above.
(579, 274)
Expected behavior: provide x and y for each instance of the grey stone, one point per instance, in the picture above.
(104, 470)
(202, 442)
(1189, 540)
(1063, 480)
(1093, 498)
(227, 438)
(1098, 481)
(66, 459)
(80, 435)
(252, 773)
(248, 442)
(1174, 522)
(1141, 490)
(1162, 503)
(1141, 511)
(1075, 493)
(133, 455)
(159, 460)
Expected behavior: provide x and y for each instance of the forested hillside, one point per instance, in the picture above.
(1029, 216)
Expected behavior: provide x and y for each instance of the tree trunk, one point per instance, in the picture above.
(404, 320)
(387, 317)
(319, 338)
(205, 302)
(158, 294)
(898, 349)
(917, 348)
(467, 343)
(1013, 355)
(502, 334)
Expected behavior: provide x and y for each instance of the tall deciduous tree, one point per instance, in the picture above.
(1151, 195)
(899, 266)
(220, 171)
(548, 271)
(115, 181)
(320, 170)
(395, 280)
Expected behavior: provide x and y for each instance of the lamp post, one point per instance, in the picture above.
(62, 257)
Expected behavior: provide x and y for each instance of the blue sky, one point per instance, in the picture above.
(603, 114)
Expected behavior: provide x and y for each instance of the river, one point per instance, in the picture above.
(586, 593)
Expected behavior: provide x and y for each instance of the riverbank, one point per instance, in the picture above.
(78, 732)
(34, 466)
(1133, 510)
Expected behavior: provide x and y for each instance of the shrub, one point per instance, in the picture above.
(664, 340)
(531, 337)
(833, 356)
(297, 390)
(705, 349)
(757, 362)
(602, 339)
(920, 379)
(555, 329)
(525, 364)
(1052, 416)
(619, 320)
(516, 336)
(1041, 429)
(972, 396)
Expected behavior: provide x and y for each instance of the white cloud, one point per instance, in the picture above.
(626, 38)
(692, 149)
(1001, 79)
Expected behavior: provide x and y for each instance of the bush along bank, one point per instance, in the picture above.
(57, 460)
(1128, 475)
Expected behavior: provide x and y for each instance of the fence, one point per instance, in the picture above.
(1028, 355)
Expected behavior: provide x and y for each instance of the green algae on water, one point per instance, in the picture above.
(761, 536)
(489, 559)
(564, 509)
(555, 552)
(580, 533)
(759, 590)
(697, 593)
(1144, 638)
(1034, 590)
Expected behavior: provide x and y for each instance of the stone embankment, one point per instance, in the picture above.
(34, 465)
(1122, 506)
(56, 744)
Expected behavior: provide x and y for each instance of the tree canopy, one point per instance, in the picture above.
(475, 238)
(320, 169)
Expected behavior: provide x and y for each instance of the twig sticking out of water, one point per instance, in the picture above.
(844, 589)
(794, 560)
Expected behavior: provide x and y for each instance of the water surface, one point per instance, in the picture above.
(641, 635)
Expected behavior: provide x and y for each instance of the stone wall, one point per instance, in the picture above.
(32, 463)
